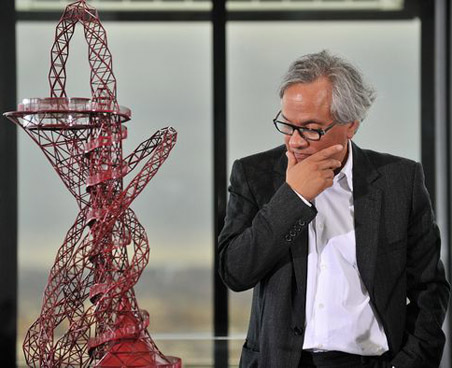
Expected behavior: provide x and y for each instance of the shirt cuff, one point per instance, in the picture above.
(303, 198)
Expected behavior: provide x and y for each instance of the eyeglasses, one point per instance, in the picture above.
(306, 133)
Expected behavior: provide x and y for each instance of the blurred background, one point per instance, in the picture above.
(211, 70)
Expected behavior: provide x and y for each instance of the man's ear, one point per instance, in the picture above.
(352, 129)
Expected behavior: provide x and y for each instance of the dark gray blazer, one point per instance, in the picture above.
(263, 246)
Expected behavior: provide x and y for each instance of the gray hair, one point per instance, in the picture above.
(351, 97)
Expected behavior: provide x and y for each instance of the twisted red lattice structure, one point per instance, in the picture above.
(90, 316)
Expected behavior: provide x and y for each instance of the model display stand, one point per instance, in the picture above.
(90, 316)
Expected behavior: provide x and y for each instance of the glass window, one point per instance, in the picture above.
(164, 75)
(259, 53)
(314, 5)
(119, 5)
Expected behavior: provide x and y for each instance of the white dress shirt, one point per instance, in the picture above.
(338, 312)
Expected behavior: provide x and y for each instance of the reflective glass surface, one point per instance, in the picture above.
(164, 76)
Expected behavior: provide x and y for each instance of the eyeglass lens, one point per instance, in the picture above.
(305, 133)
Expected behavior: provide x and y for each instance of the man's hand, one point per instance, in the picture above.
(314, 174)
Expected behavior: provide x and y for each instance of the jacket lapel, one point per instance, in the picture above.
(367, 203)
(279, 171)
(298, 252)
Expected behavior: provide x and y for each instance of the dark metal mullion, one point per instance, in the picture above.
(427, 13)
(448, 129)
(221, 320)
(8, 187)
(442, 60)
(409, 12)
(127, 16)
(296, 15)
(205, 16)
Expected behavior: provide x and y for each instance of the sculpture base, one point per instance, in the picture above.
(137, 353)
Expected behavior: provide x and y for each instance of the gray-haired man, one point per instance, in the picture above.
(334, 239)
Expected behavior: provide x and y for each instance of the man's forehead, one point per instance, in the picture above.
(319, 90)
(310, 120)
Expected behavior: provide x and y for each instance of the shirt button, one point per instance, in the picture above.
(321, 306)
(320, 346)
(321, 226)
(323, 267)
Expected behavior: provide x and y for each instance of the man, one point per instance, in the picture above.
(339, 243)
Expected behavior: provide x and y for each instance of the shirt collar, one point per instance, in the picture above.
(347, 169)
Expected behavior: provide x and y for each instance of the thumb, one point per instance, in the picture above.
(291, 160)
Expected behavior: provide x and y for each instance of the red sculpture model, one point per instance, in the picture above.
(90, 316)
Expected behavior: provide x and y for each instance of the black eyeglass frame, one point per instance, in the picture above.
(300, 130)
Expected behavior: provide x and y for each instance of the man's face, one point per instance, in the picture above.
(308, 105)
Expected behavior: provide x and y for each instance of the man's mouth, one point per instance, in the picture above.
(301, 156)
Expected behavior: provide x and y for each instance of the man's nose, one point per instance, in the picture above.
(297, 140)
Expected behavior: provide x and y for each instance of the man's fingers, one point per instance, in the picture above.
(329, 151)
(291, 160)
(330, 164)
(329, 174)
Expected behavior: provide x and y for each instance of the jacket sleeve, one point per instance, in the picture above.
(427, 288)
(254, 239)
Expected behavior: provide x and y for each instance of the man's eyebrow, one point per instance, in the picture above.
(304, 123)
